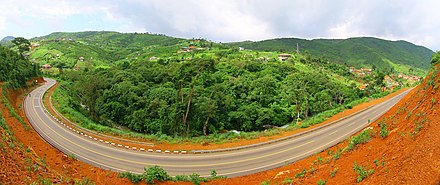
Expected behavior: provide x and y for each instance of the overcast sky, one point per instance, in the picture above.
(417, 21)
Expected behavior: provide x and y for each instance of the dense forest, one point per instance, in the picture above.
(15, 68)
(155, 84)
(207, 95)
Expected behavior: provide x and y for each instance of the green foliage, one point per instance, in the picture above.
(435, 58)
(379, 162)
(213, 95)
(288, 180)
(363, 137)
(322, 182)
(22, 44)
(383, 129)
(266, 182)
(337, 155)
(359, 52)
(14, 69)
(134, 178)
(12, 110)
(363, 172)
(333, 172)
(301, 174)
(197, 94)
(155, 173)
(84, 181)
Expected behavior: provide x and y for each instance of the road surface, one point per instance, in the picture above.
(230, 163)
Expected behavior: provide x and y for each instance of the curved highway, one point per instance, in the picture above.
(229, 163)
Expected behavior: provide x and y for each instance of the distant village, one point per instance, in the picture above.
(390, 81)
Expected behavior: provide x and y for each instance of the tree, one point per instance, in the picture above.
(22, 44)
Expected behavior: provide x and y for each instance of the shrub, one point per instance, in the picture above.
(155, 173)
(363, 137)
(196, 179)
(322, 182)
(333, 172)
(301, 174)
(134, 178)
(362, 172)
(383, 129)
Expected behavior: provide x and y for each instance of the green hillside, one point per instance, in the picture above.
(99, 49)
(359, 52)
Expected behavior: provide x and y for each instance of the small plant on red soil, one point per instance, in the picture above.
(362, 172)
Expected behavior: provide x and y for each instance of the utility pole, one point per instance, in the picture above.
(297, 48)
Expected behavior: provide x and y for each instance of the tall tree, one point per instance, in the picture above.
(22, 44)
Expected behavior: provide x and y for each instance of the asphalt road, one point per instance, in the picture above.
(230, 163)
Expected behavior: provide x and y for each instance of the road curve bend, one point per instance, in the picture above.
(229, 163)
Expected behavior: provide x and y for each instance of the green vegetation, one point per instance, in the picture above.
(363, 172)
(333, 172)
(14, 69)
(301, 174)
(435, 58)
(156, 173)
(383, 128)
(379, 162)
(155, 86)
(12, 110)
(322, 182)
(358, 52)
(288, 180)
(363, 137)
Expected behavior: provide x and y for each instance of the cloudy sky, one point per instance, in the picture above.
(417, 21)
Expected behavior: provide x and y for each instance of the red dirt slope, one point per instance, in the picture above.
(31, 160)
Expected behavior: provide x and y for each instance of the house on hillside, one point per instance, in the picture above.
(33, 46)
(284, 56)
(389, 82)
(366, 70)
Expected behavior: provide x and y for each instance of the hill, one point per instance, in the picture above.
(359, 52)
(7, 41)
(99, 48)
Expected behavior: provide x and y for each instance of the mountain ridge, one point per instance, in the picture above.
(356, 51)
